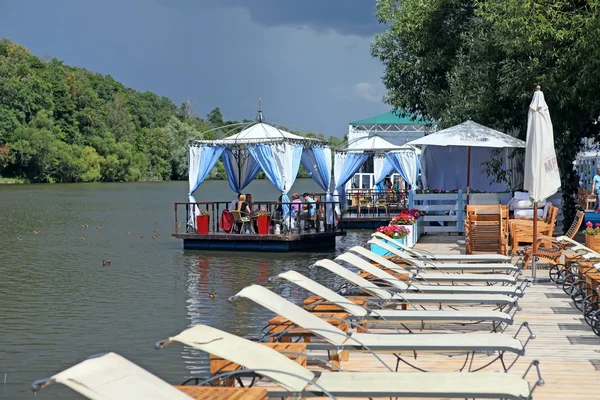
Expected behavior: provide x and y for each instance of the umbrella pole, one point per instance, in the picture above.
(534, 246)
(468, 172)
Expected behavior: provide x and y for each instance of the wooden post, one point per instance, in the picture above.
(534, 245)
(459, 213)
(468, 172)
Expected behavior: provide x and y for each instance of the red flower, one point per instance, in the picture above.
(589, 224)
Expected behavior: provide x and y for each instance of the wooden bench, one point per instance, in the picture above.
(223, 393)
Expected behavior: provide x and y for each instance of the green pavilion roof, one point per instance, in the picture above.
(391, 118)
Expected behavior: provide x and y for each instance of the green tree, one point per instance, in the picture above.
(215, 118)
(452, 60)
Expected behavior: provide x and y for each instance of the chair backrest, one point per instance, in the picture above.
(110, 376)
(227, 220)
(576, 224)
(271, 301)
(249, 354)
(326, 293)
(551, 217)
(373, 270)
(353, 278)
(237, 215)
(381, 202)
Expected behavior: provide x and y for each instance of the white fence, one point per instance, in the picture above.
(449, 209)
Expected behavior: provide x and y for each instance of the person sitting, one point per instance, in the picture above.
(244, 209)
(596, 189)
(234, 202)
(249, 201)
(309, 212)
(296, 203)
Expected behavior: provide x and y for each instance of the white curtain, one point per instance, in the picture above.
(338, 167)
(286, 160)
(381, 168)
(408, 160)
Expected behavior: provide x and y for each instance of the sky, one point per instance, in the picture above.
(308, 60)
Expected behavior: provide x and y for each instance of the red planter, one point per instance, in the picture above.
(264, 224)
(202, 222)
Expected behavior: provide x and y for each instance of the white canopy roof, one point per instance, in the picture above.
(373, 143)
(377, 144)
(467, 134)
(262, 132)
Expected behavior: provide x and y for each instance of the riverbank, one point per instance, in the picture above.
(11, 181)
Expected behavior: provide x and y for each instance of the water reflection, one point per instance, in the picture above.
(60, 305)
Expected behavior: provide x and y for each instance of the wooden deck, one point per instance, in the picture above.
(323, 241)
(568, 351)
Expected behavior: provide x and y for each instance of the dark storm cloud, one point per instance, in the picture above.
(356, 17)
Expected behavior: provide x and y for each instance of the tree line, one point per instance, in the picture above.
(60, 123)
(453, 60)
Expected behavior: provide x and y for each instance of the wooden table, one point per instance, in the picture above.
(223, 393)
(337, 319)
(220, 365)
(317, 304)
(280, 324)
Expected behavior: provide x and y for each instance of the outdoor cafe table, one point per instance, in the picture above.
(223, 393)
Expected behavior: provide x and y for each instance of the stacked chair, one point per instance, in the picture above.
(448, 306)
(486, 229)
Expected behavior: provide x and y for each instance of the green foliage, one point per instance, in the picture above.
(64, 124)
(453, 60)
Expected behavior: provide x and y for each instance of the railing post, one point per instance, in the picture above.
(175, 208)
(459, 213)
(411, 199)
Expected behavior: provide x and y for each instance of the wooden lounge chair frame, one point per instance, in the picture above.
(549, 249)
(338, 341)
(297, 381)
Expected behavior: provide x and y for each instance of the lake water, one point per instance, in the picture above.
(59, 304)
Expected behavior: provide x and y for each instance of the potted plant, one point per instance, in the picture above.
(264, 222)
(592, 236)
(202, 222)
(410, 220)
(398, 232)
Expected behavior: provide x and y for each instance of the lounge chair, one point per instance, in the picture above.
(402, 286)
(385, 297)
(297, 381)
(423, 264)
(419, 275)
(112, 377)
(498, 318)
(396, 343)
(423, 254)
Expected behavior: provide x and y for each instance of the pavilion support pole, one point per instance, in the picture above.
(468, 172)
(534, 245)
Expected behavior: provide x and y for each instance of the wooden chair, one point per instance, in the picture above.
(550, 249)
(585, 200)
(240, 221)
(522, 230)
(382, 204)
(484, 230)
